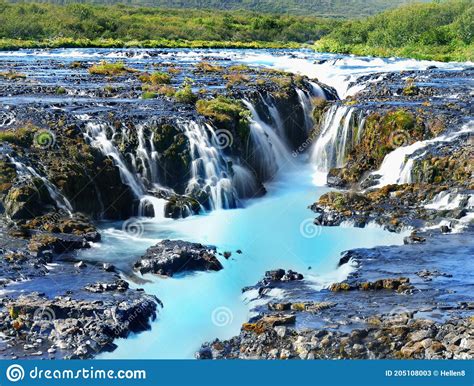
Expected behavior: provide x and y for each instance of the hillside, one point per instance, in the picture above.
(328, 8)
(441, 31)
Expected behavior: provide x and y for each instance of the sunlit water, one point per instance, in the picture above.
(275, 231)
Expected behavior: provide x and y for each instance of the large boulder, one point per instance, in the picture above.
(172, 256)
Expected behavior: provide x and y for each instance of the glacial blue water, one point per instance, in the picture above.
(274, 231)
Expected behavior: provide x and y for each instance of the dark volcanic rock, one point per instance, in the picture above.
(65, 327)
(172, 256)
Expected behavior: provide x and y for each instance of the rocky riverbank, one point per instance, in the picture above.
(413, 301)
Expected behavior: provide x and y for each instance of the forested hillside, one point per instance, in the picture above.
(79, 21)
(441, 30)
(331, 8)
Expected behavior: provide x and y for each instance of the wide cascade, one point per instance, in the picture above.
(217, 177)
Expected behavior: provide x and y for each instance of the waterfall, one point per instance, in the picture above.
(270, 151)
(147, 159)
(317, 90)
(96, 134)
(397, 166)
(307, 106)
(334, 142)
(158, 205)
(27, 171)
(275, 115)
(209, 167)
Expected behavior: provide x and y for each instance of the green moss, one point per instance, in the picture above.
(222, 109)
(410, 88)
(149, 95)
(60, 90)
(12, 75)
(205, 66)
(156, 78)
(185, 95)
(21, 137)
(110, 69)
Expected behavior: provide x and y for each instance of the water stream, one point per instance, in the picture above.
(275, 231)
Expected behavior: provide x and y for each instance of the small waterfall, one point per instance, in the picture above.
(270, 151)
(307, 106)
(158, 205)
(397, 166)
(317, 90)
(96, 134)
(244, 181)
(209, 168)
(335, 140)
(148, 159)
(28, 172)
(275, 115)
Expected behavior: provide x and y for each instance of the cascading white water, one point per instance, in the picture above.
(27, 171)
(96, 134)
(397, 166)
(307, 106)
(148, 159)
(275, 115)
(271, 151)
(209, 167)
(158, 205)
(333, 143)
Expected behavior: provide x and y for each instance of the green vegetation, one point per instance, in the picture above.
(156, 78)
(222, 109)
(185, 95)
(79, 25)
(439, 31)
(442, 30)
(330, 8)
(22, 136)
(109, 69)
(11, 75)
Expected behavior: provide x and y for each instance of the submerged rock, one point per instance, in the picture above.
(172, 256)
